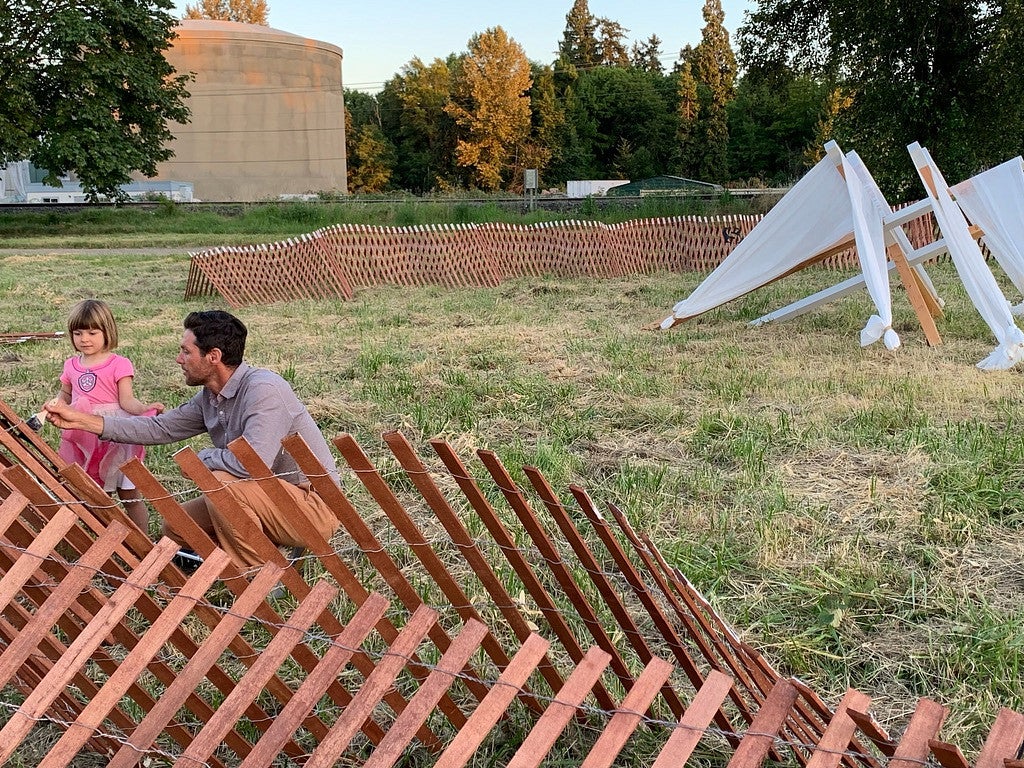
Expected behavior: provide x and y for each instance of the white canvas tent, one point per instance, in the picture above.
(969, 261)
(845, 207)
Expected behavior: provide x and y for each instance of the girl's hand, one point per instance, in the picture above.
(158, 407)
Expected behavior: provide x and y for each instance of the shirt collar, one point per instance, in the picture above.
(231, 388)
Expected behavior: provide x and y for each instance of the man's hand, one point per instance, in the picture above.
(62, 415)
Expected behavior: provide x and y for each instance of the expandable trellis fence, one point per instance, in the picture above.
(459, 617)
(335, 261)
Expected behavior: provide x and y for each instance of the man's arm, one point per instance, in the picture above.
(62, 415)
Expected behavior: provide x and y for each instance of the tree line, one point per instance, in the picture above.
(84, 88)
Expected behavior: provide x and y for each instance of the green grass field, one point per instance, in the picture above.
(855, 513)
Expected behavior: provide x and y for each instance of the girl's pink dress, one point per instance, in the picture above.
(94, 390)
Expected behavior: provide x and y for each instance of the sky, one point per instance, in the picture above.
(381, 36)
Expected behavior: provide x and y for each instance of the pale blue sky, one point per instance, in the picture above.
(380, 36)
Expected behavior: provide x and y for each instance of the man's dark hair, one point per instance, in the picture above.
(216, 329)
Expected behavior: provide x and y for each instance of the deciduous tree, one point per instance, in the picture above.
(492, 108)
(244, 11)
(85, 88)
(933, 71)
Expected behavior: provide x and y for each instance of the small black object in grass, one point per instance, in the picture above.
(187, 560)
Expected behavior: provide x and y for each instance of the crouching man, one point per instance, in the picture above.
(236, 400)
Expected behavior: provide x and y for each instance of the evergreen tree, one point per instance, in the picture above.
(579, 47)
(492, 109)
(687, 112)
(244, 11)
(647, 55)
(714, 69)
(611, 43)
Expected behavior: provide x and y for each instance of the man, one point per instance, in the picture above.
(236, 400)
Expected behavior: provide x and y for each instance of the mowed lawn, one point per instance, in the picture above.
(856, 514)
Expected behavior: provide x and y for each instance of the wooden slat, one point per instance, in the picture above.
(1004, 740)
(175, 695)
(756, 744)
(451, 664)
(947, 755)
(185, 526)
(376, 685)
(551, 612)
(329, 558)
(702, 711)
(556, 564)
(217, 495)
(318, 681)
(830, 748)
(503, 693)
(913, 747)
(119, 682)
(78, 653)
(535, 747)
(629, 715)
(608, 591)
(255, 679)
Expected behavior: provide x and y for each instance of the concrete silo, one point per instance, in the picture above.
(268, 115)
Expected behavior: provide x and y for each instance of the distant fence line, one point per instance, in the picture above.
(334, 262)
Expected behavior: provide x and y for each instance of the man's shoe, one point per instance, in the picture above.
(187, 561)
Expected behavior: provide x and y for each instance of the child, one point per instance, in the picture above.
(100, 382)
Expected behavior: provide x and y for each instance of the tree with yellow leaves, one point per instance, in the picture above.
(245, 11)
(491, 108)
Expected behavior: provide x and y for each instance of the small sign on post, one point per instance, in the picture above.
(530, 185)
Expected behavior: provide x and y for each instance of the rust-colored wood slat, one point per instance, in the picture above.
(1004, 741)
(599, 579)
(320, 547)
(186, 527)
(913, 747)
(451, 664)
(556, 564)
(255, 679)
(629, 715)
(197, 667)
(947, 755)
(195, 470)
(372, 691)
(830, 749)
(90, 601)
(421, 478)
(636, 583)
(318, 681)
(503, 692)
(875, 733)
(419, 545)
(14, 655)
(481, 567)
(704, 708)
(857, 753)
(128, 670)
(78, 653)
(535, 747)
(690, 623)
(551, 612)
(756, 744)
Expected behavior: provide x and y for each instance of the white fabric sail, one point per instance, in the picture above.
(980, 284)
(994, 201)
(868, 208)
(812, 217)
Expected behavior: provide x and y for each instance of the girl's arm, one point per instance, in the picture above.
(65, 394)
(130, 403)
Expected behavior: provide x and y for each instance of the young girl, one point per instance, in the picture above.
(100, 382)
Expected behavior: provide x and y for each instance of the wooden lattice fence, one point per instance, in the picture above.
(337, 260)
(530, 628)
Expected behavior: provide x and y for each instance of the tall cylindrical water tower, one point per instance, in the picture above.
(268, 116)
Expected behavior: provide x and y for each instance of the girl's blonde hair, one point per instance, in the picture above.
(93, 314)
